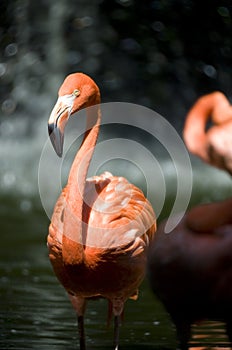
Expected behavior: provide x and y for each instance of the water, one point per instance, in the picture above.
(36, 313)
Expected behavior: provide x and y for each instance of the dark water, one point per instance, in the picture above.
(36, 313)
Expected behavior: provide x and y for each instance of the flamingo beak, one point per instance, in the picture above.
(57, 138)
(58, 120)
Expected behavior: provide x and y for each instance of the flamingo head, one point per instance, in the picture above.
(78, 91)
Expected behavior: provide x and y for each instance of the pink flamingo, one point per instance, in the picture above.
(101, 227)
(214, 145)
(190, 269)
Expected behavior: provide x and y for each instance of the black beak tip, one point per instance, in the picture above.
(59, 153)
(56, 139)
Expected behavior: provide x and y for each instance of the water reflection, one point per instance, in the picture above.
(209, 335)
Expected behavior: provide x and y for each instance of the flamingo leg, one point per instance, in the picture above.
(79, 305)
(116, 331)
(81, 332)
(118, 307)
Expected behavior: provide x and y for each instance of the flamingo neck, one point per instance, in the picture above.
(195, 126)
(73, 241)
(79, 169)
(214, 105)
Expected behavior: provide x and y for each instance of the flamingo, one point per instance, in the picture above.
(190, 269)
(101, 227)
(214, 145)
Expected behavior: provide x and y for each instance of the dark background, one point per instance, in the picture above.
(161, 54)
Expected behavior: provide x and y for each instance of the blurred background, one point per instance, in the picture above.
(159, 54)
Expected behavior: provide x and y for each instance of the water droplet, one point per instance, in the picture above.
(157, 26)
(8, 106)
(147, 333)
(210, 71)
(223, 11)
(11, 49)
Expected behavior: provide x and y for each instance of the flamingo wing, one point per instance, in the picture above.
(118, 215)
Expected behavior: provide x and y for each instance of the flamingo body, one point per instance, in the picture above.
(102, 226)
(112, 263)
(191, 271)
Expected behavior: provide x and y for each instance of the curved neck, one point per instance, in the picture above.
(214, 105)
(73, 216)
(79, 169)
(194, 129)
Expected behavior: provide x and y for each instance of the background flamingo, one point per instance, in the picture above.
(101, 227)
(213, 145)
(190, 269)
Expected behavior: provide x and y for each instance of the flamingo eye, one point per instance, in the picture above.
(76, 92)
